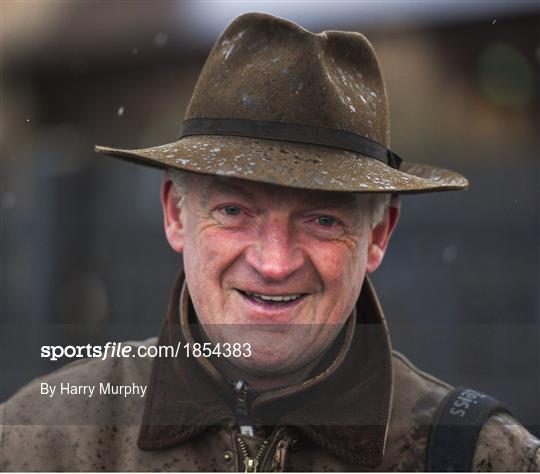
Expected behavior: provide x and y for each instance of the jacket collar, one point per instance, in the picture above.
(343, 407)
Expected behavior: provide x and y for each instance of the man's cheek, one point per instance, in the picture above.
(219, 247)
(335, 262)
(208, 262)
(206, 246)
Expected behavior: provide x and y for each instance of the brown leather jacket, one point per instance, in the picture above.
(364, 408)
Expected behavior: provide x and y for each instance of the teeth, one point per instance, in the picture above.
(275, 298)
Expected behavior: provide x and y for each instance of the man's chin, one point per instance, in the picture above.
(273, 352)
(267, 340)
(273, 367)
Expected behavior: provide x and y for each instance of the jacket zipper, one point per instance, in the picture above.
(251, 463)
(246, 428)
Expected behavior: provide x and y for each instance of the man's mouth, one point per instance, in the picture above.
(277, 300)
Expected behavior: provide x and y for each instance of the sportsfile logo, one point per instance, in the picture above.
(118, 349)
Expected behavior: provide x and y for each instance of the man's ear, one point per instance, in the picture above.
(380, 234)
(172, 219)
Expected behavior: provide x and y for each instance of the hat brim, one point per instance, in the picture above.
(297, 165)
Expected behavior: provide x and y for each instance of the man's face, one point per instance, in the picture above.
(276, 267)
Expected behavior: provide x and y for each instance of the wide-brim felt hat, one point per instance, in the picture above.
(277, 104)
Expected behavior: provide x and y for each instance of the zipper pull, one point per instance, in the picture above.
(251, 464)
(242, 415)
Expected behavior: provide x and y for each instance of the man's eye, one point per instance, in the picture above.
(326, 221)
(232, 210)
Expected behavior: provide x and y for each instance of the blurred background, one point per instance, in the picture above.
(83, 256)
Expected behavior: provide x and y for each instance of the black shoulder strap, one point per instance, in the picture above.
(455, 429)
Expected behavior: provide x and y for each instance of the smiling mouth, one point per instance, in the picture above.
(273, 300)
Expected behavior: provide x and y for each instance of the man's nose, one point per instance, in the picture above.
(275, 254)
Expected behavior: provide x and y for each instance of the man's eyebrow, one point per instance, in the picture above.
(313, 199)
(220, 187)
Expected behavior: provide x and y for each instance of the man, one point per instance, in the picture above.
(278, 197)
